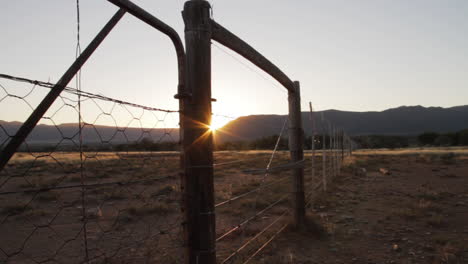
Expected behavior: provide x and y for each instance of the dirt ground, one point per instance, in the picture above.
(415, 213)
(128, 208)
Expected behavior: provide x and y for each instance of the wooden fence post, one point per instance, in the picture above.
(332, 143)
(342, 145)
(337, 159)
(296, 143)
(313, 141)
(198, 193)
(324, 156)
(332, 158)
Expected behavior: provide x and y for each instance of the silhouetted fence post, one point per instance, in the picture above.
(198, 195)
(337, 153)
(324, 156)
(342, 145)
(332, 158)
(332, 147)
(313, 140)
(296, 143)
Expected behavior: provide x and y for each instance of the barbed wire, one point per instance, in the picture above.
(131, 157)
(119, 222)
(88, 193)
(85, 94)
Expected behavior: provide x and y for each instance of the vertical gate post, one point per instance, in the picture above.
(342, 145)
(198, 196)
(332, 144)
(324, 156)
(313, 140)
(332, 158)
(335, 146)
(296, 143)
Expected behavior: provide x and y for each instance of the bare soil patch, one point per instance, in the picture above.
(415, 213)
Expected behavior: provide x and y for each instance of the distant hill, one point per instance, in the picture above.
(404, 120)
(67, 134)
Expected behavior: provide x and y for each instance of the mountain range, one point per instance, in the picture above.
(404, 120)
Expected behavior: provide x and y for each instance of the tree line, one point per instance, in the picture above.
(459, 138)
(425, 139)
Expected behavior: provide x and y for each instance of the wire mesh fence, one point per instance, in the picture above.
(97, 180)
(106, 189)
(103, 190)
(252, 200)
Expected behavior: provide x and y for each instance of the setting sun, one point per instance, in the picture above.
(218, 122)
(213, 128)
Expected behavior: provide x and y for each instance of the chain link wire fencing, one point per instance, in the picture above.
(106, 190)
(102, 189)
(98, 180)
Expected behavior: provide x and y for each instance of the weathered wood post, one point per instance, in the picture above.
(333, 146)
(346, 144)
(313, 141)
(334, 150)
(337, 153)
(324, 156)
(198, 195)
(342, 145)
(296, 143)
(332, 158)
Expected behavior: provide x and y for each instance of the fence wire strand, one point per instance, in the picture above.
(254, 206)
(106, 190)
(121, 213)
(80, 193)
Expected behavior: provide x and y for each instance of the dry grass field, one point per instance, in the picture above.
(417, 213)
(131, 209)
(131, 203)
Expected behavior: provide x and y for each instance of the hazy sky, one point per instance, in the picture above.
(360, 55)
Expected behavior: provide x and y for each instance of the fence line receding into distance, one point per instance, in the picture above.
(87, 178)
